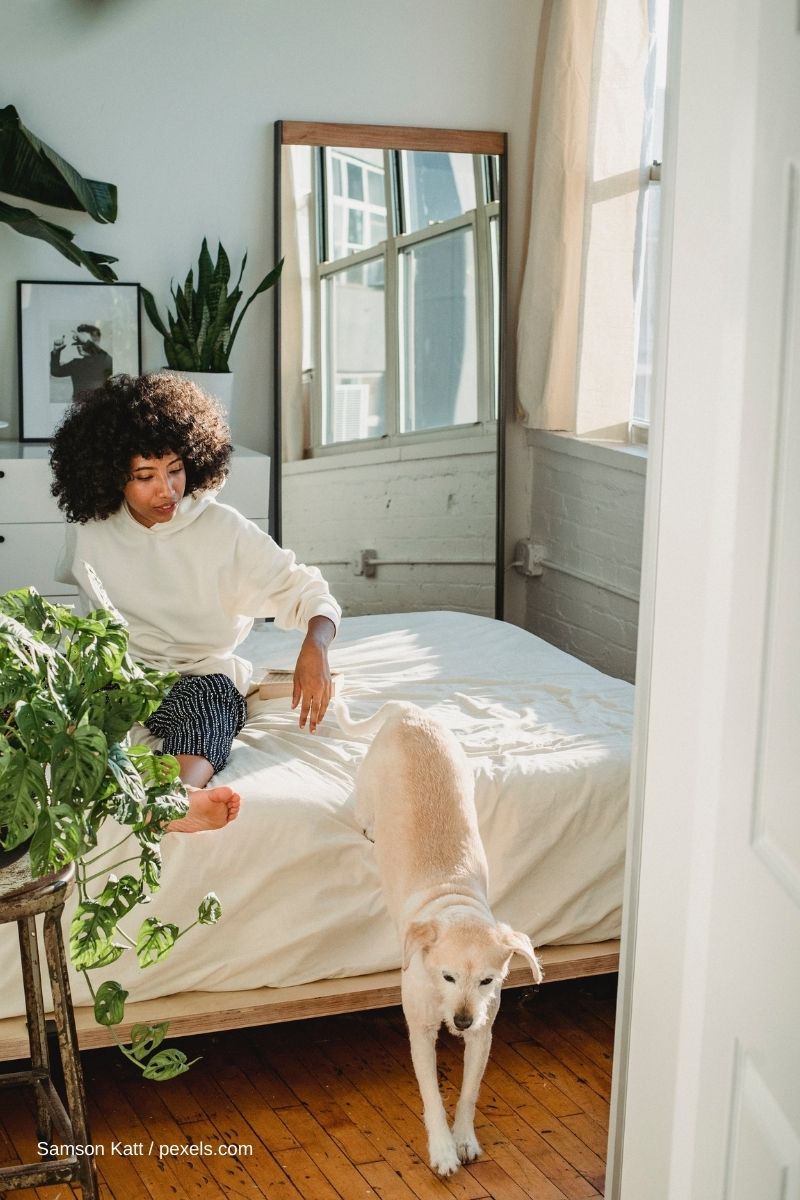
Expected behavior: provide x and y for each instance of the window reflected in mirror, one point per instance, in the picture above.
(438, 332)
(399, 253)
(354, 353)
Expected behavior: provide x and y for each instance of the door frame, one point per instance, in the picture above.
(692, 469)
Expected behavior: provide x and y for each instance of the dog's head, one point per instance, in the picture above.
(466, 962)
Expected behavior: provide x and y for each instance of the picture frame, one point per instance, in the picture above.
(71, 338)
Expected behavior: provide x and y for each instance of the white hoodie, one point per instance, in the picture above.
(191, 587)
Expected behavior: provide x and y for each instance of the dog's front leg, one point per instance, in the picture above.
(476, 1055)
(441, 1147)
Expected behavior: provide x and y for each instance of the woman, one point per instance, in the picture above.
(137, 464)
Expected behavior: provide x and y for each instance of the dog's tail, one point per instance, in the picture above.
(371, 724)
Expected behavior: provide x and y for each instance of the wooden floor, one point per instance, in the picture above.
(328, 1108)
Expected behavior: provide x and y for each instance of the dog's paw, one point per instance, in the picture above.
(467, 1145)
(443, 1155)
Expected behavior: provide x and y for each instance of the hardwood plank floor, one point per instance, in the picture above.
(328, 1109)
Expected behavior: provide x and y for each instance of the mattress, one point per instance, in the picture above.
(549, 739)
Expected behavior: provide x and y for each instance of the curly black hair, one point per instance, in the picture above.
(150, 416)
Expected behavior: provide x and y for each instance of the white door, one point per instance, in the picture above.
(708, 1082)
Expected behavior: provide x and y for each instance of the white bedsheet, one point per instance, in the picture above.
(549, 738)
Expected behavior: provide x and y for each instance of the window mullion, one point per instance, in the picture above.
(392, 296)
(483, 312)
(319, 216)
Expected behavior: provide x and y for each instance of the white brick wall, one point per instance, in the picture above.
(423, 501)
(588, 506)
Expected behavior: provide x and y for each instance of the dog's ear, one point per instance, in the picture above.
(523, 945)
(419, 936)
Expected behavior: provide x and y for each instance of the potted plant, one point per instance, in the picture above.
(32, 170)
(200, 334)
(69, 694)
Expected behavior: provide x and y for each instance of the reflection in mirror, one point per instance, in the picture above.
(389, 363)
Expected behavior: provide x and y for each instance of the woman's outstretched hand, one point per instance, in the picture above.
(312, 675)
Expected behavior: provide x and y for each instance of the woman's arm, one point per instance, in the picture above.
(312, 676)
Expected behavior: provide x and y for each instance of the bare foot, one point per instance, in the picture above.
(209, 808)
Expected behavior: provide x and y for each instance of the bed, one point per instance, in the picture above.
(304, 930)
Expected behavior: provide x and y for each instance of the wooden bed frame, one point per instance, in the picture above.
(206, 1012)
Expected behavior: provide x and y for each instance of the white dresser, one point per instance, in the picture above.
(32, 526)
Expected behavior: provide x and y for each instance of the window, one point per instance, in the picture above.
(649, 231)
(406, 278)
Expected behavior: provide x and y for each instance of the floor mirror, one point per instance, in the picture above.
(389, 362)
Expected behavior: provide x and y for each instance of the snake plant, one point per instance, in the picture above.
(201, 332)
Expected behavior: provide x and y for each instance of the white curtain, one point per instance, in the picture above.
(293, 400)
(576, 331)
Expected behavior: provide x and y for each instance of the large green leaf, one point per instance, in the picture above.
(155, 939)
(90, 944)
(167, 1064)
(132, 795)
(33, 170)
(222, 271)
(37, 723)
(19, 643)
(23, 790)
(205, 270)
(78, 762)
(146, 1038)
(90, 932)
(15, 682)
(26, 222)
(109, 1003)
(61, 836)
(210, 909)
(35, 613)
(115, 710)
(150, 863)
(119, 896)
(151, 308)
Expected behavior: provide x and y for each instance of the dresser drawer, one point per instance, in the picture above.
(247, 485)
(28, 557)
(25, 490)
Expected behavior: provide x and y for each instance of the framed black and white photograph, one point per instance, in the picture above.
(72, 338)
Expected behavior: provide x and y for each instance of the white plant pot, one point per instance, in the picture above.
(216, 383)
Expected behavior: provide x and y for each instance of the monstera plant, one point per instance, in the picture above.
(69, 695)
(33, 171)
(199, 336)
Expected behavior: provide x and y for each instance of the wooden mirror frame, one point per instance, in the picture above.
(398, 137)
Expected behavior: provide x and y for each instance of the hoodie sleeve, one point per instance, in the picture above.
(270, 582)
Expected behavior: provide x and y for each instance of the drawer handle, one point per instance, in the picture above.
(2, 474)
(2, 537)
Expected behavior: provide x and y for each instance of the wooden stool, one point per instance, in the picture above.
(22, 898)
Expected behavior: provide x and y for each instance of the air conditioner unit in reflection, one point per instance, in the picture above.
(351, 412)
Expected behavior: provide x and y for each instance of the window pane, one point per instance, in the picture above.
(355, 229)
(355, 354)
(438, 354)
(355, 181)
(436, 187)
(355, 201)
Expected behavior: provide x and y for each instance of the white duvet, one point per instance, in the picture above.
(548, 736)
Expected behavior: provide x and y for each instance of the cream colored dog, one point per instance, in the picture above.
(415, 797)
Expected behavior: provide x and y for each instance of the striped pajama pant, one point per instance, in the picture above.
(200, 715)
